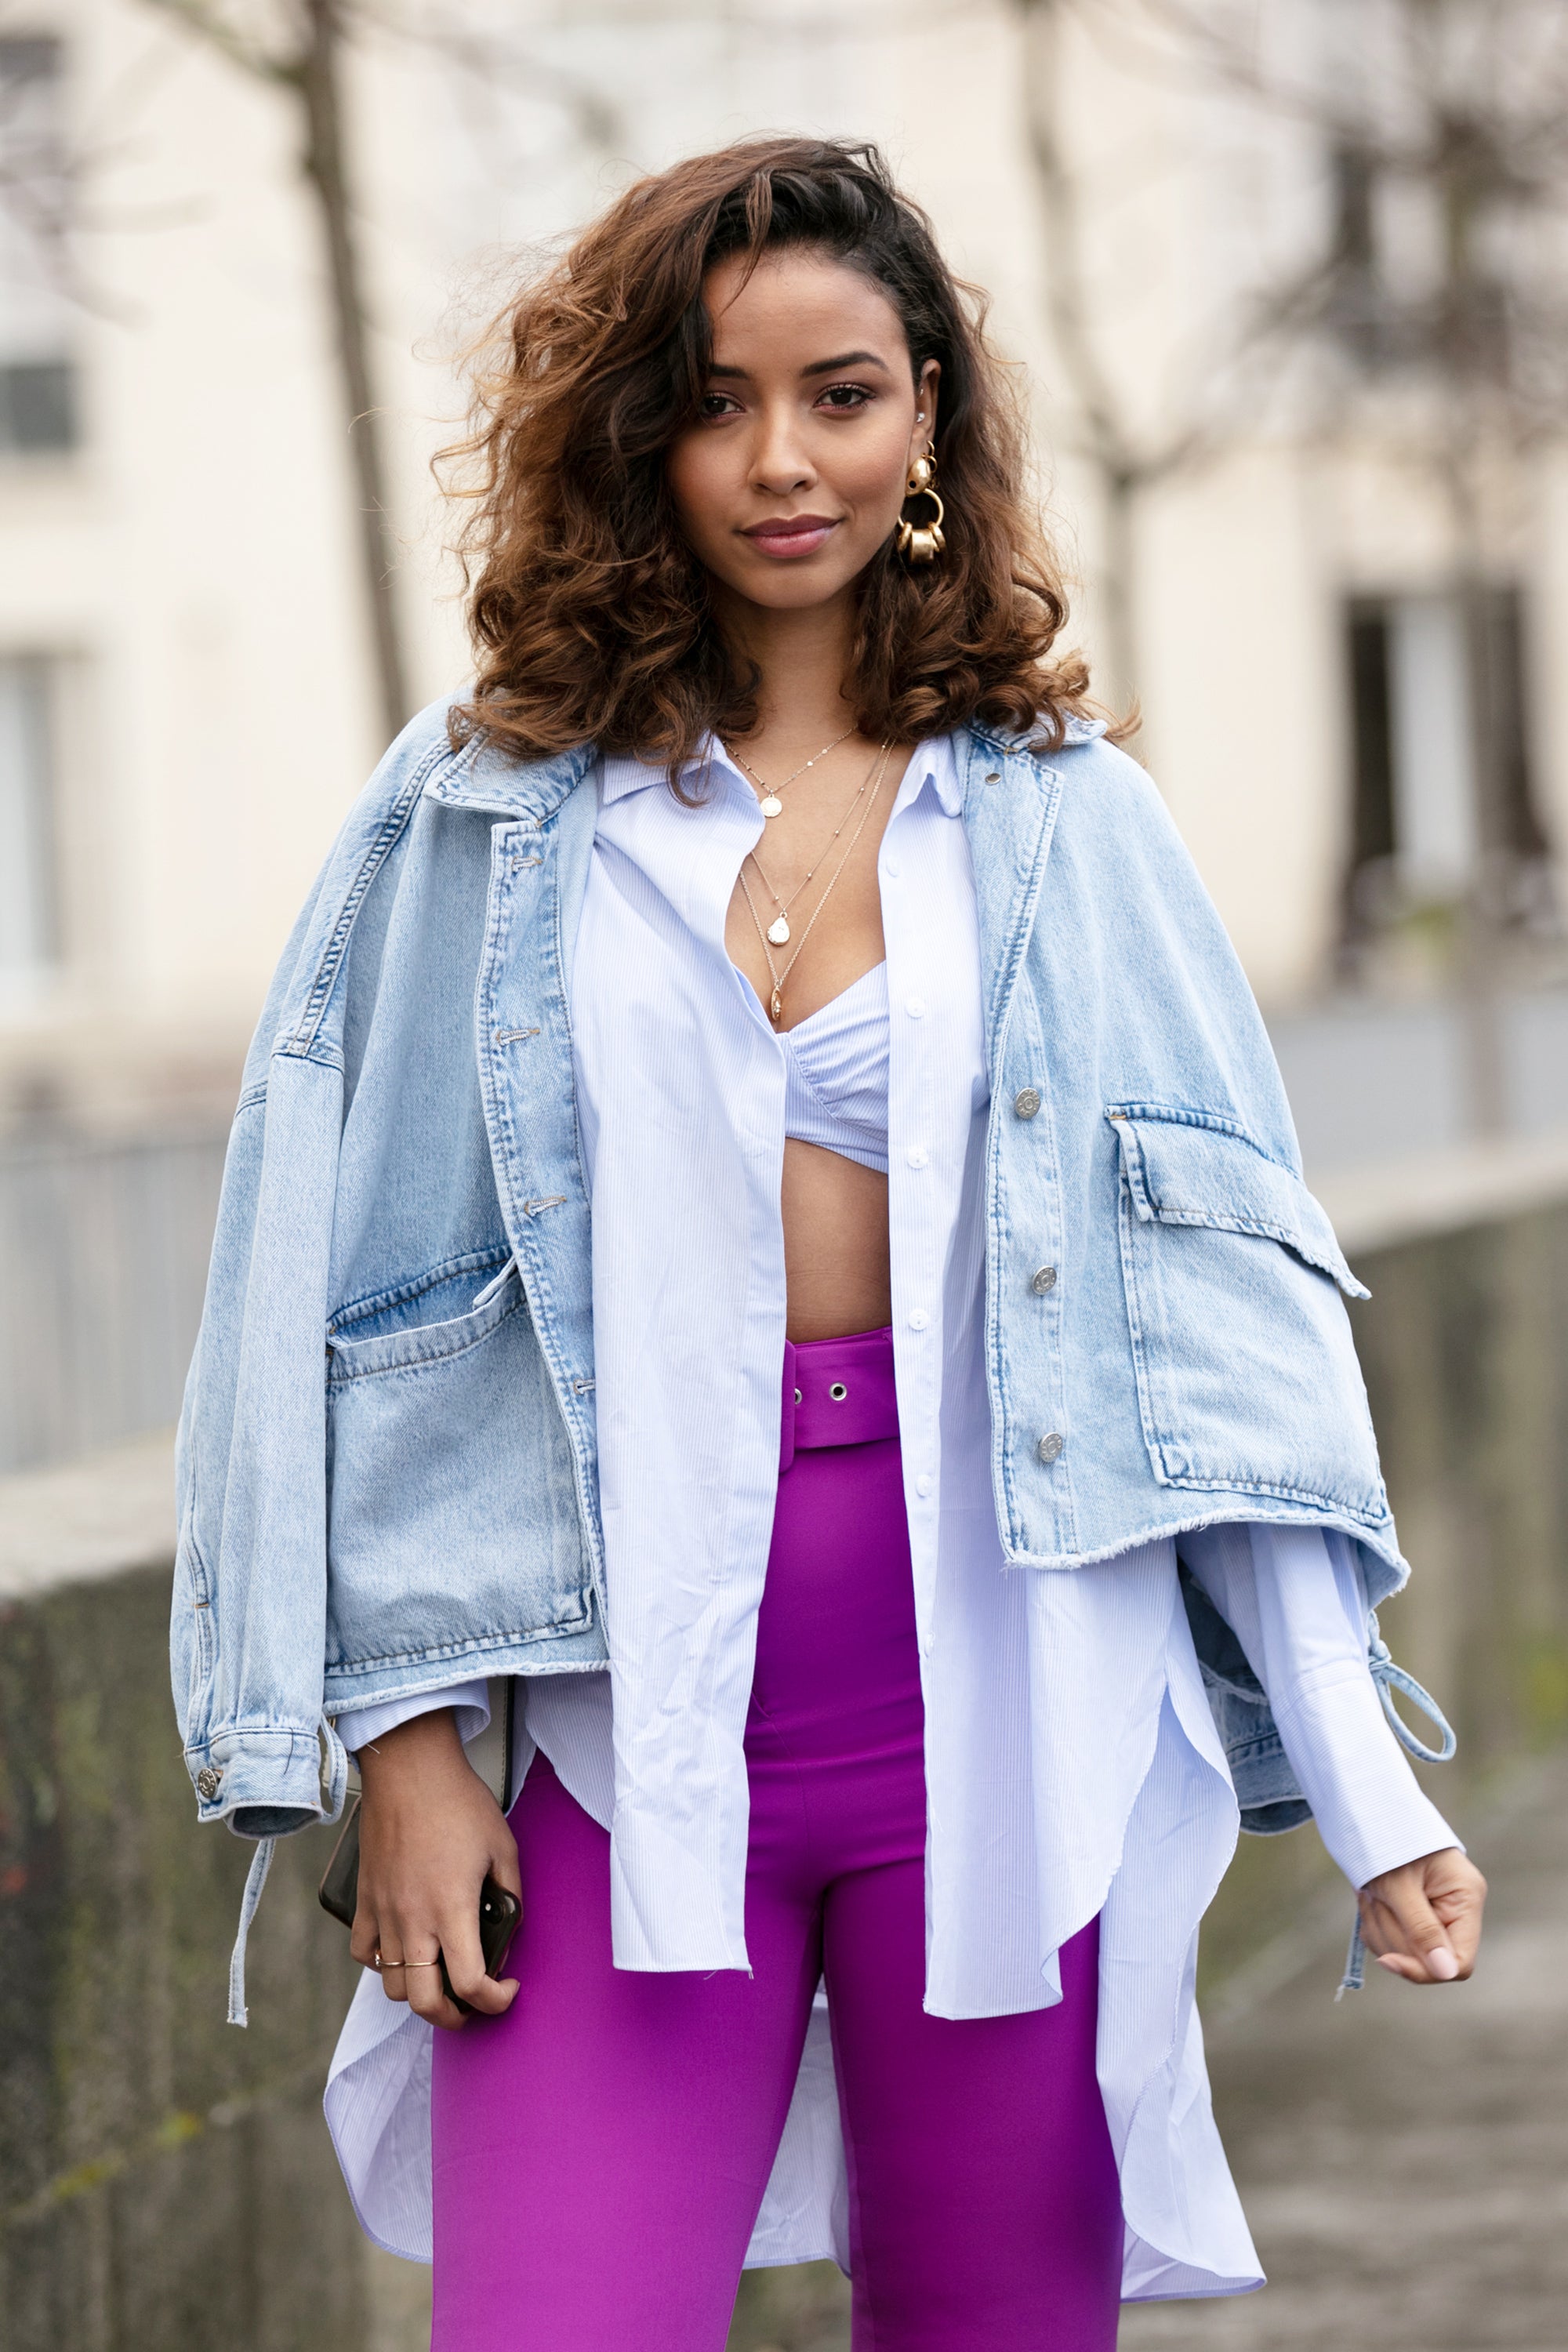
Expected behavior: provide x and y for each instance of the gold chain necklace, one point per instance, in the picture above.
(771, 804)
(778, 929)
(775, 1002)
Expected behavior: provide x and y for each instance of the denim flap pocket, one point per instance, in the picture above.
(1247, 1378)
(1197, 1168)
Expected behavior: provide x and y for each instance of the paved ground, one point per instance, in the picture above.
(1404, 2157)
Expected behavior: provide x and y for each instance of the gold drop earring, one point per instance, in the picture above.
(923, 542)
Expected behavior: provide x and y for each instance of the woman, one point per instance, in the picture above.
(817, 1288)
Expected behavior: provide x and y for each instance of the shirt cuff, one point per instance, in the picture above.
(470, 1702)
(1295, 1598)
(1372, 1812)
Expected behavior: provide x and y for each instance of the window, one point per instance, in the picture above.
(37, 409)
(1442, 790)
(28, 916)
(1429, 267)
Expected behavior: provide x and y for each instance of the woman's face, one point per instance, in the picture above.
(792, 476)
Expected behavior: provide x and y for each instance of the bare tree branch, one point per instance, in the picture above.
(597, 122)
(212, 25)
(1256, 333)
(1460, 109)
(310, 74)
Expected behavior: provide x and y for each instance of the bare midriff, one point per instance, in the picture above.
(837, 1265)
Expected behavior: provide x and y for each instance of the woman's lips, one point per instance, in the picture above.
(791, 535)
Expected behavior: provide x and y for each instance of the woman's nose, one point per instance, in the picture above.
(780, 462)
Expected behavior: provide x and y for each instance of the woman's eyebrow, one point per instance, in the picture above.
(815, 367)
(847, 358)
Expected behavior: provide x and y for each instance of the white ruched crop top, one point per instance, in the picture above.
(836, 1074)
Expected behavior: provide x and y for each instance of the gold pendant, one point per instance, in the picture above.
(776, 1009)
(772, 805)
(778, 932)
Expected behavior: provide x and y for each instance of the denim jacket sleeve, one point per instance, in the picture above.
(1266, 1790)
(250, 1598)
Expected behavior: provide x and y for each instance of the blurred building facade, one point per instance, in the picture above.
(1295, 412)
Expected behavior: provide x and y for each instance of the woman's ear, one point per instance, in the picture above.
(925, 408)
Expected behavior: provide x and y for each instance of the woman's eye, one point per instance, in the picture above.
(845, 396)
(717, 404)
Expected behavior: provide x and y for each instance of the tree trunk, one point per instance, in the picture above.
(1119, 587)
(320, 88)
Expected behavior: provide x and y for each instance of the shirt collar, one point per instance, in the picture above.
(621, 773)
(936, 762)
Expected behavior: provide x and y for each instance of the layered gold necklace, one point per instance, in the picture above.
(777, 933)
(769, 802)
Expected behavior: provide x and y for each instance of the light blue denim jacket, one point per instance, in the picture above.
(387, 1461)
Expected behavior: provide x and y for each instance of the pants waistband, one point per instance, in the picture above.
(838, 1393)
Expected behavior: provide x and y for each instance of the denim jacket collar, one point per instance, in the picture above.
(484, 777)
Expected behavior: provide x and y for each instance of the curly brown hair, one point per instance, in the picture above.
(591, 614)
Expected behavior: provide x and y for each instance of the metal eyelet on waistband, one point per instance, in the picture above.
(798, 1397)
(838, 1392)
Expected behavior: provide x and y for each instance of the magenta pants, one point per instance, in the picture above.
(601, 2151)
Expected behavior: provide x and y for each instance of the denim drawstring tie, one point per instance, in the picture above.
(1385, 1673)
(337, 1777)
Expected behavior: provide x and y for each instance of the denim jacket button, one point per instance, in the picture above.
(1027, 1101)
(1049, 1447)
(1044, 1278)
(208, 1780)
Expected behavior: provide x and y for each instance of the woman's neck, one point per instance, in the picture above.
(804, 657)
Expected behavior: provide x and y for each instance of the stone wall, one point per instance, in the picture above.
(166, 2181)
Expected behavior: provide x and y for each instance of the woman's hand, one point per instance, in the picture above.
(430, 1831)
(1424, 1920)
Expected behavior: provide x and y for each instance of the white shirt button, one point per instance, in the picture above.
(918, 1156)
(891, 867)
(918, 1319)
(915, 1007)
(924, 1483)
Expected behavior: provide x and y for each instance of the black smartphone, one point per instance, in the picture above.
(499, 1911)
